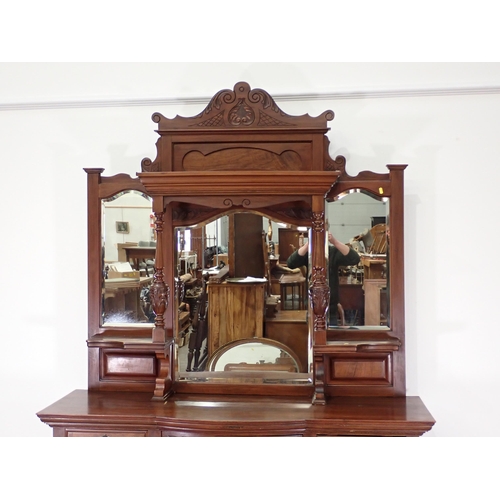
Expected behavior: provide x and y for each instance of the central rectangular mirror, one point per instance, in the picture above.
(235, 293)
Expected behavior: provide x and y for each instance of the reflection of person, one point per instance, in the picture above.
(339, 254)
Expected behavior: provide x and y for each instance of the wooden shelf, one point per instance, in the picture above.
(85, 413)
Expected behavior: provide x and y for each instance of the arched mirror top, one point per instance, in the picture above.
(254, 354)
(244, 155)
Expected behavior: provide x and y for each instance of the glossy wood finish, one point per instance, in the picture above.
(242, 153)
(227, 320)
(290, 328)
(83, 413)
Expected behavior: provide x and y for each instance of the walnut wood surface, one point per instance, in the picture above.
(243, 153)
(236, 312)
(135, 414)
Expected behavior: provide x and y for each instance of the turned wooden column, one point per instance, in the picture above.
(319, 293)
(160, 291)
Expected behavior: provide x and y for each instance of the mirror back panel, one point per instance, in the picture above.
(244, 158)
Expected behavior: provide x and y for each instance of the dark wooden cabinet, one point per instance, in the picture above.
(289, 240)
(242, 154)
(121, 414)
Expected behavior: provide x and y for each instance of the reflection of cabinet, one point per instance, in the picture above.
(245, 245)
(374, 314)
(373, 268)
(288, 240)
(235, 311)
(290, 328)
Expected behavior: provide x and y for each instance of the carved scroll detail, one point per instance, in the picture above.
(231, 202)
(163, 383)
(319, 292)
(148, 166)
(318, 222)
(337, 164)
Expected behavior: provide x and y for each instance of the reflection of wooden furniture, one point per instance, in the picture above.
(352, 298)
(122, 296)
(379, 236)
(242, 153)
(188, 262)
(373, 268)
(373, 289)
(290, 328)
(245, 245)
(293, 291)
(288, 241)
(235, 311)
(137, 253)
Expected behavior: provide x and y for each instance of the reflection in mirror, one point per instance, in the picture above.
(128, 250)
(254, 354)
(233, 286)
(361, 221)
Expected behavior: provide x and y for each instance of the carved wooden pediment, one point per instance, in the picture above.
(242, 108)
(240, 129)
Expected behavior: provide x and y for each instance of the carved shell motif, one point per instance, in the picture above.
(241, 114)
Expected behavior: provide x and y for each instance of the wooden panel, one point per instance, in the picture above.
(120, 364)
(361, 368)
(290, 328)
(235, 311)
(267, 156)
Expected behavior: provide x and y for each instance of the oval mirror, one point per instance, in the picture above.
(254, 355)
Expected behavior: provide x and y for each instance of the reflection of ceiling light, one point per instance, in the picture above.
(301, 228)
(282, 224)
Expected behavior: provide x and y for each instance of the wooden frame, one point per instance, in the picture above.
(122, 227)
(243, 153)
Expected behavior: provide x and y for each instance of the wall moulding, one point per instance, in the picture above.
(202, 100)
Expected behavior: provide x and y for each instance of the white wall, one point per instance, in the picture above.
(448, 138)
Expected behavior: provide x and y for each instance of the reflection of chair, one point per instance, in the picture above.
(379, 239)
(199, 333)
(293, 291)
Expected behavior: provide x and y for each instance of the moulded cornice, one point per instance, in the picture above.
(248, 183)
